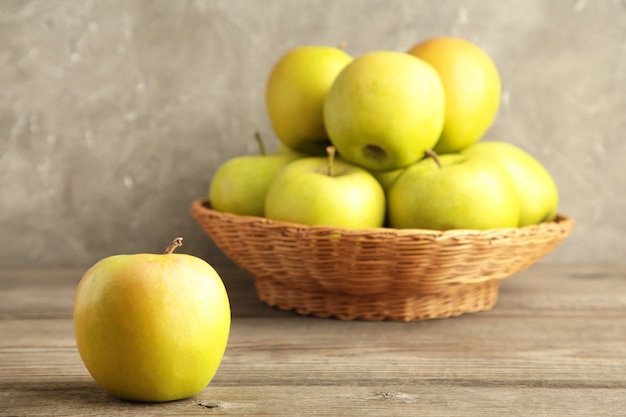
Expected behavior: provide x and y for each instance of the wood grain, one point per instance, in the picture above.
(554, 345)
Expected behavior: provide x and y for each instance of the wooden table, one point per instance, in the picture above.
(554, 345)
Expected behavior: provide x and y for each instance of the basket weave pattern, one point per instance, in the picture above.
(377, 274)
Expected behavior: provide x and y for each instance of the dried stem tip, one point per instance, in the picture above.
(330, 150)
(433, 154)
(175, 243)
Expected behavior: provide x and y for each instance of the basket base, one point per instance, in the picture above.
(456, 300)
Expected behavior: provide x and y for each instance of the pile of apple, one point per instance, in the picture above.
(388, 138)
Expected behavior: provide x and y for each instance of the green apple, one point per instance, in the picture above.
(384, 110)
(326, 192)
(461, 192)
(239, 185)
(472, 88)
(152, 327)
(536, 189)
(295, 93)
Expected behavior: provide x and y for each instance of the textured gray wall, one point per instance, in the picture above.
(115, 114)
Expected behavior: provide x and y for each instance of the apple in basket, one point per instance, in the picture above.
(384, 110)
(152, 327)
(453, 191)
(536, 189)
(326, 192)
(240, 184)
(295, 93)
(472, 88)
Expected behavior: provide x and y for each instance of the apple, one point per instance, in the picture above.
(472, 86)
(384, 110)
(239, 185)
(295, 93)
(453, 191)
(536, 189)
(152, 327)
(326, 192)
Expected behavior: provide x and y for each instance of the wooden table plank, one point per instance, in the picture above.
(554, 345)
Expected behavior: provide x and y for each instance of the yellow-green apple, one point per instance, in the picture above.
(152, 327)
(453, 191)
(240, 184)
(295, 93)
(471, 82)
(536, 189)
(326, 192)
(384, 110)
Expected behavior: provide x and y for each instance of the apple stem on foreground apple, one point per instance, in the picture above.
(331, 159)
(433, 154)
(259, 142)
(175, 243)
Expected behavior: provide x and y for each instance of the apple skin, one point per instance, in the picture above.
(387, 178)
(239, 185)
(472, 88)
(304, 193)
(295, 93)
(384, 110)
(150, 327)
(466, 193)
(536, 189)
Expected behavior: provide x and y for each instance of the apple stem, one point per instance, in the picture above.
(175, 243)
(331, 159)
(259, 142)
(433, 154)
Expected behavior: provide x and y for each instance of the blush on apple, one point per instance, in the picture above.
(152, 327)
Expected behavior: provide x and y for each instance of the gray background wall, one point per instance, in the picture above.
(115, 114)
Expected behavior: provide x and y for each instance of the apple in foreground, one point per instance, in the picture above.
(453, 191)
(240, 184)
(384, 110)
(295, 93)
(537, 192)
(326, 192)
(152, 327)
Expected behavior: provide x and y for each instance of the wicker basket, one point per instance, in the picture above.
(377, 274)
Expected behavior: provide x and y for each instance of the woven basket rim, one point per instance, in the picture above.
(405, 274)
(204, 205)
